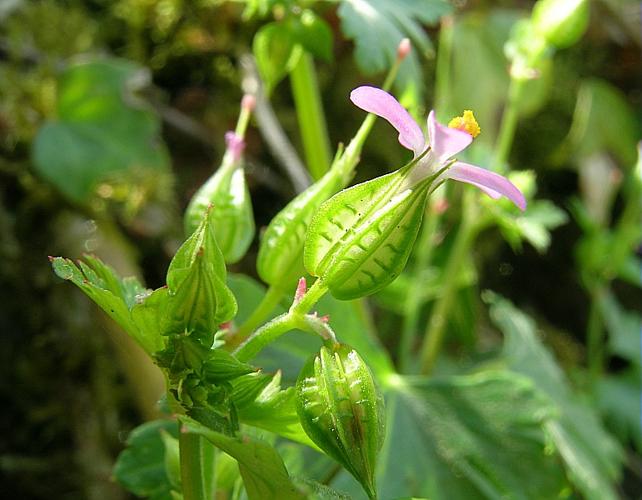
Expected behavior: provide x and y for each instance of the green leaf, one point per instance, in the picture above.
(360, 239)
(466, 437)
(603, 121)
(592, 458)
(101, 129)
(100, 283)
(618, 397)
(142, 467)
(276, 52)
(262, 469)
(377, 27)
(313, 33)
(624, 329)
(274, 410)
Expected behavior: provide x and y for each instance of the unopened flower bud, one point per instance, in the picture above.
(561, 22)
(404, 48)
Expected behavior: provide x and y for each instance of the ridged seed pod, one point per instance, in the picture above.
(342, 411)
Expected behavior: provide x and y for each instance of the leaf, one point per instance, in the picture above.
(313, 34)
(535, 223)
(274, 410)
(465, 437)
(624, 327)
(141, 467)
(377, 27)
(100, 130)
(603, 121)
(262, 469)
(276, 52)
(100, 283)
(591, 456)
(618, 397)
(360, 239)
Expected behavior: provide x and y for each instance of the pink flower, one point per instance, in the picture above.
(443, 143)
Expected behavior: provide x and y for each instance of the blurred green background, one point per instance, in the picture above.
(112, 113)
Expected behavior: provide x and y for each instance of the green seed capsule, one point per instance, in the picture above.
(232, 218)
(342, 411)
(280, 259)
(561, 22)
(360, 239)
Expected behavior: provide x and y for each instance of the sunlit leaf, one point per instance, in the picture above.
(591, 456)
(101, 129)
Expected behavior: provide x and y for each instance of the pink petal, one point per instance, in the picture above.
(235, 144)
(381, 103)
(491, 183)
(445, 141)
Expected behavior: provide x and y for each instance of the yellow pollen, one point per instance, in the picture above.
(466, 123)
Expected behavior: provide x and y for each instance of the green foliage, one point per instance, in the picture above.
(592, 458)
(378, 26)
(533, 225)
(148, 466)
(138, 317)
(101, 130)
(602, 121)
(264, 474)
(199, 298)
(561, 22)
(467, 437)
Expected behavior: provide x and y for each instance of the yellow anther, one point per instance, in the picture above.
(466, 123)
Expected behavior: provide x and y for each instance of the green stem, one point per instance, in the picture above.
(423, 255)
(442, 66)
(436, 328)
(197, 466)
(296, 317)
(307, 100)
(595, 335)
(270, 300)
(509, 124)
(243, 120)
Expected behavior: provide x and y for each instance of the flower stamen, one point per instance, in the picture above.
(466, 123)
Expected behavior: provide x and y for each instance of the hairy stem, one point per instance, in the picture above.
(296, 317)
(270, 300)
(197, 466)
